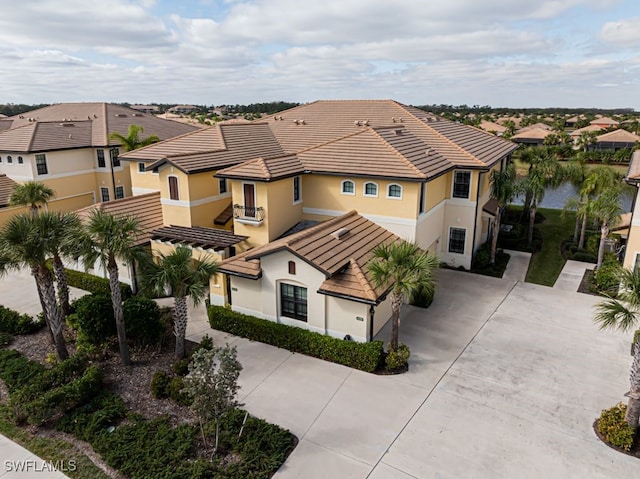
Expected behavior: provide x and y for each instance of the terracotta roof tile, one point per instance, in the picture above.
(340, 248)
(7, 185)
(208, 238)
(618, 136)
(145, 208)
(532, 134)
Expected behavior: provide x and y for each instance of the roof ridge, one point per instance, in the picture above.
(362, 279)
(397, 153)
(440, 135)
(263, 166)
(105, 124)
(33, 136)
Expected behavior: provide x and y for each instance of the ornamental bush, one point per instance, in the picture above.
(398, 358)
(614, 429)
(363, 356)
(14, 323)
(94, 284)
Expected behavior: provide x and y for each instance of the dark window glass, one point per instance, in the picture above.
(142, 167)
(296, 189)
(41, 164)
(461, 184)
(173, 188)
(101, 162)
(115, 161)
(348, 186)
(371, 189)
(293, 301)
(456, 240)
(395, 191)
(104, 194)
(119, 192)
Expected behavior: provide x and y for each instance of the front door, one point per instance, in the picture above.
(249, 200)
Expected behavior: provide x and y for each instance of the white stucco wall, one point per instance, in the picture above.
(347, 317)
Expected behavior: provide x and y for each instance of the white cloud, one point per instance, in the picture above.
(624, 33)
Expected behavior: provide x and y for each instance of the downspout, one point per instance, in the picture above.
(475, 220)
(372, 312)
(113, 176)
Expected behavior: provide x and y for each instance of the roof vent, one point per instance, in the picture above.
(398, 132)
(121, 115)
(400, 119)
(357, 123)
(366, 123)
(66, 124)
(338, 234)
(95, 116)
(70, 136)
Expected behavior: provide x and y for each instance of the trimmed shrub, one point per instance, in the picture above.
(364, 356)
(614, 429)
(176, 385)
(5, 339)
(142, 320)
(606, 278)
(16, 371)
(14, 323)
(398, 358)
(160, 385)
(181, 366)
(94, 284)
(421, 297)
(94, 321)
(584, 255)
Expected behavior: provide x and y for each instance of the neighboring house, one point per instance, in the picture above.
(535, 126)
(492, 127)
(317, 279)
(616, 140)
(182, 109)
(149, 109)
(67, 147)
(632, 251)
(575, 134)
(531, 136)
(605, 122)
(571, 122)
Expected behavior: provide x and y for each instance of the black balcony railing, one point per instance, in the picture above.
(248, 213)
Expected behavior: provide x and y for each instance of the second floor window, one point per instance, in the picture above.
(370, 189)
(173, 188)
(394, 191)
(115, 161)
(119, 192)
(222, 184)
(297, 190)
(348, 187)
(101, 162)
(142, 168)
(41, 164)
(461, 184)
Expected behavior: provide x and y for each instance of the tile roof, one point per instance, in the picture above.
(340, 248)
(212, 148)
(579, 131)
(633, 174)
(224, 217)
(604, 120)
(618, 136)
(46, 136)
(491, 126)
(145, 208)
(319, 122)
(101, 119)
(532, 134)
(7, 185)
(197, 236)
(535, 126)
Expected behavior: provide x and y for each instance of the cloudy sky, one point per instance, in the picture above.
(518, 53)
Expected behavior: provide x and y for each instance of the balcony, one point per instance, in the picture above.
(251, 215)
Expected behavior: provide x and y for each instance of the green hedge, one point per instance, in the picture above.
(364, 356)
(614, 428)
(94, 284)
(14, 323)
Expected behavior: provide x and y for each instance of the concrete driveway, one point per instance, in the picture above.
(505, 381)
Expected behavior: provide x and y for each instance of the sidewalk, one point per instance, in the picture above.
(571, 275)
(518, 265)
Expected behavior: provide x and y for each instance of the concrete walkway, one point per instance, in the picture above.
(571, 275)
(17, 462)
(518, 265)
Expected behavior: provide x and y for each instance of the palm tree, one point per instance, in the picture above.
(64, 228)
(25, 241)
(586, 140)
(402, 267)
(33, 194)
(576, 173)
(502, 190)
(623, 313)
(133, 141)
(186, 277)
(111, 238)
(606, 209)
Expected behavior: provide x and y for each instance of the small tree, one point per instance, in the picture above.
(33, 194)
(133, 141)
(503, 189)
(212, 384)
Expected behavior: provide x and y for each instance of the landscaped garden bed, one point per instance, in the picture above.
(107, 419)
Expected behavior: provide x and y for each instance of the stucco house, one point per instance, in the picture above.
(317, 279)
(632, 250)
(411, 173)
(616, 140)
(67, 147)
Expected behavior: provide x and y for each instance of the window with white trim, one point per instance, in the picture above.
(394, 191)
(142, 168)
(119, 192)
(371, 189)
(41, 164)
(222, 185)
(115, 161)
(457, 238)
(461, 184)
(104, 194)
(100, 155)
(20, 160)
(293, 301)
(348, 187)
(297, 189)
(9, 159)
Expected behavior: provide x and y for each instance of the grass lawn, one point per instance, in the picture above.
(546, 265)
(523, 168)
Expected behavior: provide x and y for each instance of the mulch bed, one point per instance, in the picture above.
(586, 281)
(635, 449)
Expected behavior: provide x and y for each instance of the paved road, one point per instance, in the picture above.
(506, 379)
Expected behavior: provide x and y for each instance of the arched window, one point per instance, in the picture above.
(371, 189)
(394, 191)
(348, 187)
(173, 188)
(20, 160)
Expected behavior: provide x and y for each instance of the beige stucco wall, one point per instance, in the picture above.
(437, 190)
(142, 183)
(381, 316)
(633, 241)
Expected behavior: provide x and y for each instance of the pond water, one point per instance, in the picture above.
(557, 197)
